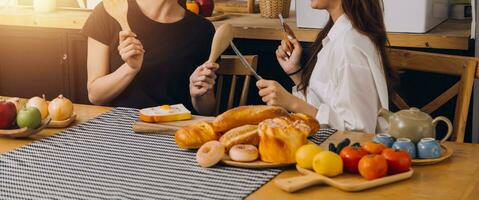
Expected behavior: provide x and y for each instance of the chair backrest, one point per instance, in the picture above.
(232, 66)
(464, 67)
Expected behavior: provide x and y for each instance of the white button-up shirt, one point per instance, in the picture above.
(347, 85)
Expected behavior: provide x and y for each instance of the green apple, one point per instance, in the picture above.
(29, 117)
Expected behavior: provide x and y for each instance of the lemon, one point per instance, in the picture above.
(328, 164)
(305, 155)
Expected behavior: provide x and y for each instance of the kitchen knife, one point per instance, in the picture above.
(245, 62)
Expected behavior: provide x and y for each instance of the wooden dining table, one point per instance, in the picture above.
(453, 179)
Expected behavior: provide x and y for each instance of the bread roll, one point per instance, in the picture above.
(311, 121)
(244, 115)
(247, 134)
(193, 136)
(280, 138)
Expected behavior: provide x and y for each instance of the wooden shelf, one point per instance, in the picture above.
(452, 34)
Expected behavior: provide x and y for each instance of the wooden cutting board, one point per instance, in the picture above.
(345, 182)
(167, 127)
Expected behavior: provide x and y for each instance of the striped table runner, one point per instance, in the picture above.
(103, 158)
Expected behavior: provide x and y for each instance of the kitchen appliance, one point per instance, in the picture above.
(410, 16)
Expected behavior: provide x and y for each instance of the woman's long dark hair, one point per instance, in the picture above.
(366, 16)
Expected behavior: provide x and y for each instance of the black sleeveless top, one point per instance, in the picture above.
(173, 51)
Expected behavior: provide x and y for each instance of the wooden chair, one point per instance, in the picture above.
(231, 66)
(464, 67)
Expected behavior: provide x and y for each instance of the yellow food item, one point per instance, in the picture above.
(60, 108)
(192, 6)
(165, 113)
(311, 121)
(280, 138)
(306, 154)
(244, 115)
(247, 134)
(39, 103)
(328, 164)
(193, 136)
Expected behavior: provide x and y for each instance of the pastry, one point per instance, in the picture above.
(311, 121)
(193, 136)
(165, 113)
(280, 138)
(247, 134)
(244, 153)
(244, 115)
(210, 154)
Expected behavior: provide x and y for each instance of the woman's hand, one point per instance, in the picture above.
(131, 50)
(203, 79)
(289, 57)
(274, 94)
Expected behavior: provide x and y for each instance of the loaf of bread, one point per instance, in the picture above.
(247, 134)
(193, 136)
(280, 138)
(245, 115)
(311, 121)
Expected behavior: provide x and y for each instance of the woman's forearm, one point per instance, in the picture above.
(300, 106)
(106, 88)
(205, 105)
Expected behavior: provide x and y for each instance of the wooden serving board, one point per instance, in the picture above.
(62, 124)
(345, 182)
(24, 132)
(217, 17)
(446, 153)
(167, 127)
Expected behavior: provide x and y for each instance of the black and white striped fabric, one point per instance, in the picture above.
(104, 159)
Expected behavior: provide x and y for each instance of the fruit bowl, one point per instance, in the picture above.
(24, 132)
(62, 124)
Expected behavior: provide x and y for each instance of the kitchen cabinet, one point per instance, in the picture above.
(37, 61)
(32, 63)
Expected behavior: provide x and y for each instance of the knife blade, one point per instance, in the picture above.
(245, 62)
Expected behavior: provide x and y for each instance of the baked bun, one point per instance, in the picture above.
(193, 136)
(244, 115)
(311, 121)
(244, 153)
(280, 138)
(247, 134)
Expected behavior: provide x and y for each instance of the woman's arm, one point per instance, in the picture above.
(102, 85)
(289, 58)
(274, 94)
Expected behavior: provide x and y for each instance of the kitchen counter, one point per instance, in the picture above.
(452, 34)
(455, 178)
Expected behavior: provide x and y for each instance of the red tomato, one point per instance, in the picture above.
(374, 148)
(351, 156)
(398, 161)
(373, 166)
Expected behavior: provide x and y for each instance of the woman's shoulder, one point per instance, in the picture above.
(199, 23)
(357, 48)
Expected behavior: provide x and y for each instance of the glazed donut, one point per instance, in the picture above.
(210, 154)
(243, 153)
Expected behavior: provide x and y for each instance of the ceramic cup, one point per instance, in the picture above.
(428, 148)
(385, 139)
(407, 145)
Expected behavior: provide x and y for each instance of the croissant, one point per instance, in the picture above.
(280, 138)
(193, 136)
(244, 115)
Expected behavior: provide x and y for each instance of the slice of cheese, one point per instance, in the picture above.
(165, 113)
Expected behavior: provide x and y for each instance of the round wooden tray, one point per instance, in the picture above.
(217, 17)
(62, 124)
(24, 132)
(258, 164)
(446, 153)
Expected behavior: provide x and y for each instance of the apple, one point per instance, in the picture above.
(206, 7)
(8, 111)
(18, 103)
(29, 117)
